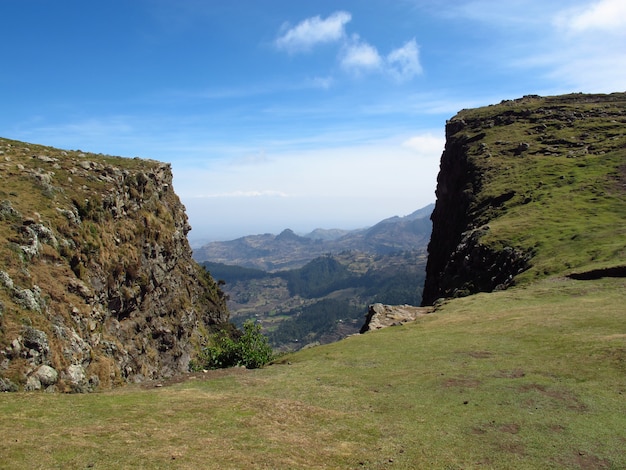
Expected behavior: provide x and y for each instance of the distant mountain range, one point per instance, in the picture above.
(288, 250)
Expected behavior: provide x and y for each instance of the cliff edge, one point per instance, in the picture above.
(529, 188)
(97, 283)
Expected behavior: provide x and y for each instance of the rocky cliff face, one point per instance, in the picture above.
(458, 264)
(97, 283)
(523, 178)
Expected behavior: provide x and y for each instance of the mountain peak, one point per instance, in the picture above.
(289, 234)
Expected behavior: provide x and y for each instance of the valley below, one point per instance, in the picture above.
(325, 300)
(316, 289)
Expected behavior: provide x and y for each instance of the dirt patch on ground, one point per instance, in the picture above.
(565, 397)
(509, 428)
(585, 461)
(479, 431)
(510, 374)
(461, 382)
(512, 448)
(557, 428)
(480, 354)
(203, 375)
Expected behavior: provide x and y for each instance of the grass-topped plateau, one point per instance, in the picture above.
(561, 163)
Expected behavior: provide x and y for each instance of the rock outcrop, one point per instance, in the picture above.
(97, 283)
(382, 316)
(506, 165)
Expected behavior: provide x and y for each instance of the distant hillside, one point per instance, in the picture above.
(326, 299)
(288, 250)
(529, 188)
(97, 283)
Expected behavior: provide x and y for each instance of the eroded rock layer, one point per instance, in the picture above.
(97, 283)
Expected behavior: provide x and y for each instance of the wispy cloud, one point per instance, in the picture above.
(578, 46)
(605, 15)
(403, 63)
(587, 52)
(313, 31)
(357, 55)
(425, 144)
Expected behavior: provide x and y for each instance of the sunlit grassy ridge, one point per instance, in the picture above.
(562, 160)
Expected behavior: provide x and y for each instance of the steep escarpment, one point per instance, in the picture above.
(97, 283)
(528, 188)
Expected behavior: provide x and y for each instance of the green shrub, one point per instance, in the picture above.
(251, 350)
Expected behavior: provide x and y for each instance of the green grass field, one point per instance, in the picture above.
(532, 377)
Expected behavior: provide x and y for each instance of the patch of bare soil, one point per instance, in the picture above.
(512, 448)
(585, 461)
(480, 354)
(569, 399)
(510, 374)
(201, 376)
(509, 428)
(461, 382)
(557, 428)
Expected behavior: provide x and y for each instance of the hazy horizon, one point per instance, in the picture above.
(233, 231)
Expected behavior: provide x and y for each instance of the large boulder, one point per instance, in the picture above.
(382, 316)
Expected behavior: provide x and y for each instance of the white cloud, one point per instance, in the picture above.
(605, 15)
(574, 46)
(587, 50)
(355, 55)
(425, 144)
(358, 55)
(313, 31)
(404, 62)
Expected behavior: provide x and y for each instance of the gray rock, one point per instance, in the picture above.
(36, 340)
(32, 384)
(7, 211)
(7, 386)
(6, 280)
(76, 376)
(46, 375)
(382, 316)
(16, 347)
(27, 298)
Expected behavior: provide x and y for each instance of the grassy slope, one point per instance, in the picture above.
(570, 183)
(532, 377)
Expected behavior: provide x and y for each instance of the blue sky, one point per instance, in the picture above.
(284, 113)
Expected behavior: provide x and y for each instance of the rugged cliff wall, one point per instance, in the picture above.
(97, 283)
(521, 182)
